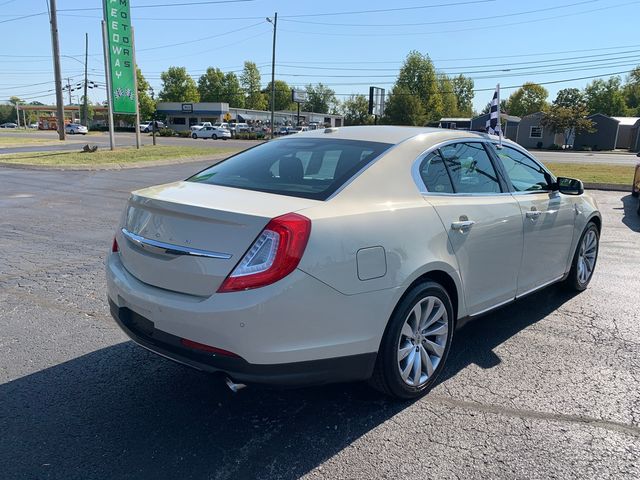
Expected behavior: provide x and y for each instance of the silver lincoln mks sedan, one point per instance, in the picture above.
(344, 254)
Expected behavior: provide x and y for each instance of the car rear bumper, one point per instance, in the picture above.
(296, 331)
(343, 369)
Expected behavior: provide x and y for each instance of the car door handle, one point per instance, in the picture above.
(462, 225)
(533, 214)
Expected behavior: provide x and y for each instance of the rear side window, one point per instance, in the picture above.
(470, 168)
(434, 174)
(309, 168)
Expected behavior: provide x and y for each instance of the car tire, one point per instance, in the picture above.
(578, 279)
(194, 136)
(406, 342)
(214, 137)
(146, 130)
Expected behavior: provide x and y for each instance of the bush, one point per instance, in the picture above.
(585, 148)
(539, 145)
(166, 132)
(555, 146)
(249, 136)
(184, 134)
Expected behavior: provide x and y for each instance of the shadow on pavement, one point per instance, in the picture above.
(122, 412)
(631, 216)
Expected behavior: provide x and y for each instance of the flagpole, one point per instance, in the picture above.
(499, 117)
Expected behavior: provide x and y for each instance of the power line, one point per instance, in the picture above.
(463, 20)
(555, 17)
(160, 5)
(22, 17)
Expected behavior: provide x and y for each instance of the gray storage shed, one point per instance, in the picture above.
(604, 136)
(479, 124)
(635, 136)
(531, 133)
(625, 136)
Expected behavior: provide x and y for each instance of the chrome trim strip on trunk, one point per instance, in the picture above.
(155, 246)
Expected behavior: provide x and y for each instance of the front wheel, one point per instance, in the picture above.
(194, 136)
(214, 136)
(416, 344)
(584, 260)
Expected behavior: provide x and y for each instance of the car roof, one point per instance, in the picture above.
(392, 134)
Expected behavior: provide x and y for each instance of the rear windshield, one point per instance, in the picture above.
(307, 167)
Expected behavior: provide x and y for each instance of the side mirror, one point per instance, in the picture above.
(570, 186)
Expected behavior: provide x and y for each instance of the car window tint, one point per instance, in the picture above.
(470, 168)
(524, 173)
(309, 168)
(434, 174)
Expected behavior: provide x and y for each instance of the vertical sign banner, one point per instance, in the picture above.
(117, 15)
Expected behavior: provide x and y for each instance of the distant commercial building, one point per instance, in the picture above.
(455, 123)
(181, 116)
(511, 123)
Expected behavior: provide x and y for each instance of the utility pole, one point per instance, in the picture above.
(273, 74)
(69, 89)
(85, 104)
(56, 68)
(18, 113)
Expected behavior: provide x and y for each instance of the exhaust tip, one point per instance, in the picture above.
(234, 387)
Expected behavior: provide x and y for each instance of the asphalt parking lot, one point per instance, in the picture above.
(548, 387)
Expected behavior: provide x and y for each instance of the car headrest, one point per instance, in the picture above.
(291, 169)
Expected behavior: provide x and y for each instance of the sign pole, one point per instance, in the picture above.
(135, 83)
(107, 70)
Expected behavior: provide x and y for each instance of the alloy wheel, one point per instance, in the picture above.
(587, 256)
(422, 341)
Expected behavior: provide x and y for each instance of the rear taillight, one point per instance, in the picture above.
(114, 246)
(274, 255)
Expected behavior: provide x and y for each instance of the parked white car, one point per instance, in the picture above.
(211, 132)
(9, 125)
(199, 126)
(344, 254)
(147, 127)
(75, 128)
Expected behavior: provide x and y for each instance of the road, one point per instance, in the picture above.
(548, 387)
(75, 142)
(128, 139)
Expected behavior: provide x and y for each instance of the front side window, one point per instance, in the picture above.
(470, 168)
(525, 175)
(309, 168)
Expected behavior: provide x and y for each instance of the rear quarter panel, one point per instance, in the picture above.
(381, 207)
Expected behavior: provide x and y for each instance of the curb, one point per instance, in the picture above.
(613, 187)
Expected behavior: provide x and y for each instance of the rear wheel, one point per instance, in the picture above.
(214, 136)
(416, 344)
(584, 260)
(194, 136)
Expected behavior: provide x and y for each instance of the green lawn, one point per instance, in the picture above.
(16, 141)
(594, 173)
(106, 157)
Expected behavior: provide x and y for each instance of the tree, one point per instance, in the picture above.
(282, 96)
(147, 105)
(320, 99)
(449, 100)
(463, 88)
(605, 96)
(568, 120)
(418, 77)
(356, 111)
(528, 99)
(211, 85)
(570, 98)
(404, 108)
(231, 91)
(178, 86)
(250, 81)
(631, 91)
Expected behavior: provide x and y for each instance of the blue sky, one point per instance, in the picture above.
(492, 41)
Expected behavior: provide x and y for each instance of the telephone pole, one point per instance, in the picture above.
(53, 18)
(85, 104)
(274, 22)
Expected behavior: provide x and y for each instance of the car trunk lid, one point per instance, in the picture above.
(187, 237)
